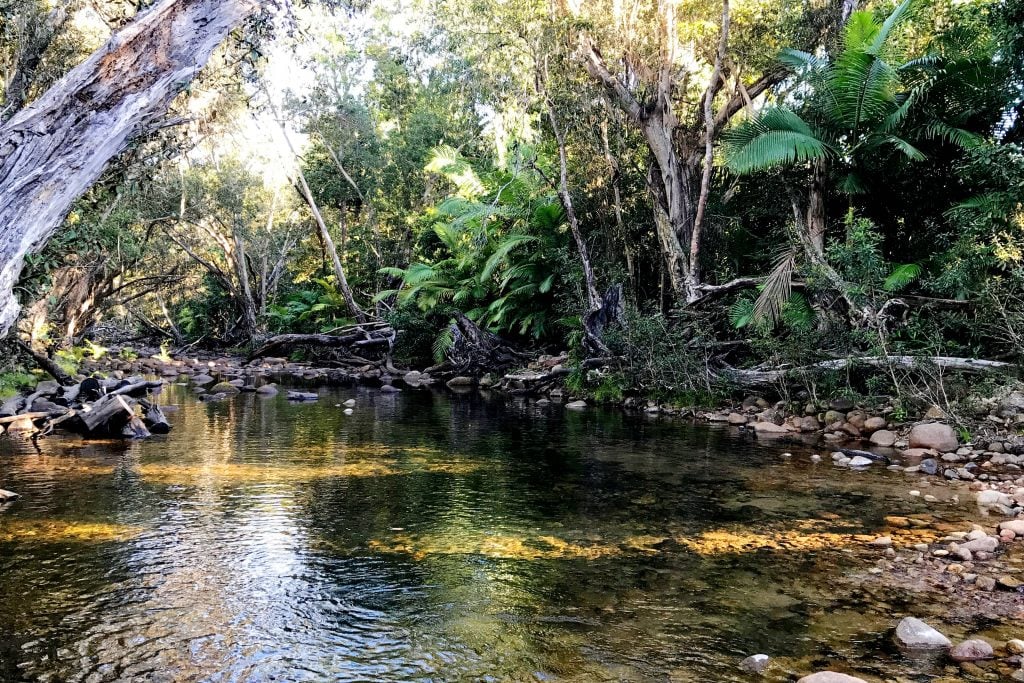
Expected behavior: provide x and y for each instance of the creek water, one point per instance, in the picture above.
(436, 537)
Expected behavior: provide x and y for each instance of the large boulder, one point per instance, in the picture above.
(935, 435)
(830, 677)
(873, 424)
(915, 634)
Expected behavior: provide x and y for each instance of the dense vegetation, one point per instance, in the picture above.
(771, 183)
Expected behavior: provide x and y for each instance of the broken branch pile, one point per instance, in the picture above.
(93, 408)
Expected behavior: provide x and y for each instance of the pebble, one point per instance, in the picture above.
(1015, 647)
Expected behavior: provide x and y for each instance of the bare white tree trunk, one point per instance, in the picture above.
(54, 149)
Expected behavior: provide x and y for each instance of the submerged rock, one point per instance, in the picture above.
(224, 388)
(576, 405)
(755, 664)
(971, 651)
(915, 634)
(830, 677)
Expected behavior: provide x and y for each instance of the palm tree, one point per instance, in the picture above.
(855, 108)
(869, 101)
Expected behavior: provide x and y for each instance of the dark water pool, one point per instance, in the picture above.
(429, 537)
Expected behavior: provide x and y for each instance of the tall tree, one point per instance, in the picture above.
(54, 149)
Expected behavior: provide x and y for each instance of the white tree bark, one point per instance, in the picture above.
(54, 149)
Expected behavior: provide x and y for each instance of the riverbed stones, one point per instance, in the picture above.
(8, 496)
(460, 382)
(224, 388)
(986, 544)
(997, 501)
(830, 677)
(935, 435)
(1014, 525)
(1015, 647)
(915, 634)
(858, 461)
(755, 664)
(737, 419)
(929, 466)
(883, 437)
(1010, 583)
(971, 651)
(769, 428)
(267, 390)
(576, 405)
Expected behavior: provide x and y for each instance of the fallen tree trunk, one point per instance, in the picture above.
(774, 376)
(55, 149)
(46, 363)
(356, 336)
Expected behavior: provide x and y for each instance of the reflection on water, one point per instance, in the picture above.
(431, 538)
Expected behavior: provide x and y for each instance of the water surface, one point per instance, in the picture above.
(430, 537)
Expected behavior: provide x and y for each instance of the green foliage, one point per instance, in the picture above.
(855, 108)
(311, 310)
(15, 382)
(493, 250)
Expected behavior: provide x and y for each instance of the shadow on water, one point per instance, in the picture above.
(431, 537)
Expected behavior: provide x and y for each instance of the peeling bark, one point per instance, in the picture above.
(54, 149)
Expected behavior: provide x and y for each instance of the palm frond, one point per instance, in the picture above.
(939, 130)
(776, 289)
(442, 344)
(777, 137)
(895, 18)
(864, 87)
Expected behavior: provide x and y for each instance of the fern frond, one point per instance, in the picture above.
(901, 276)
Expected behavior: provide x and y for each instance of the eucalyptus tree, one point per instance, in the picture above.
(52, 150)
(680, 84)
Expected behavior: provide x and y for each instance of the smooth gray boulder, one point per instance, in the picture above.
(915, 634)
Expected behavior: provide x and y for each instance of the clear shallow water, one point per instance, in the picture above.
(432, 537)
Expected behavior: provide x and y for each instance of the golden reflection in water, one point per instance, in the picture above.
(245, 473)
(805, 536)
(57, 531)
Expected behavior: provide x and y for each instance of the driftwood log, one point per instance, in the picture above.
(775, 376)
